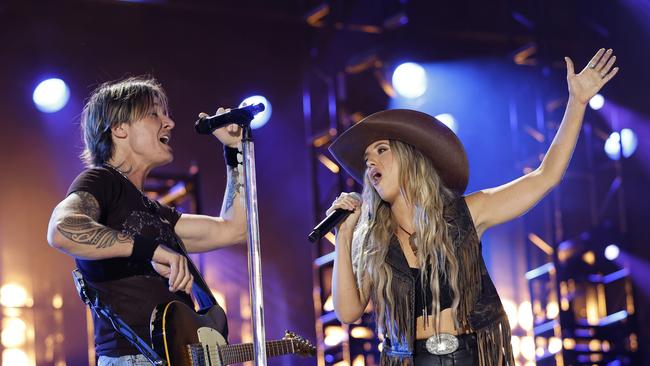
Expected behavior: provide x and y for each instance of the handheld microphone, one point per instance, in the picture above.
(331, 221)
(243, 115)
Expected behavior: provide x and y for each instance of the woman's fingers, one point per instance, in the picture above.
(608, 67)
(594, 60)
(603, 60)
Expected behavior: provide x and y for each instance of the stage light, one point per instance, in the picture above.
(511, 310)
(362, 332)
(359, 361)
(51, 95)
(13, 296)
(449, 121)
(527, 347)
(410, 80)
(552, 310)
(14, 332)
(526, 316)
(612, 251)
(14, 357)
(262, 117)
(329, 304)
(613, 146)
(596, 102)
(554, 345)
(514, 340)
(629, 142)
(334, 335)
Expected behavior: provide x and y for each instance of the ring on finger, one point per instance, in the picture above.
(592, 66)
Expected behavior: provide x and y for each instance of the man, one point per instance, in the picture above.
(126, 245)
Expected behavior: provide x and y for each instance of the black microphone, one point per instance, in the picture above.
(206, 125)
(330, 222)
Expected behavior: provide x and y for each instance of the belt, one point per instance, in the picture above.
(465, 341)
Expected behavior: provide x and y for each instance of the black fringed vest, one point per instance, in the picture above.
(480, 308)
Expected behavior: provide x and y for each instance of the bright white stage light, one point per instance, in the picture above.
(410, 80)
(262, 117)
(51, 95)
(596, 102)
(612, 251)
(629, 142)
(449, 121)
(613, 146)
(626, 138)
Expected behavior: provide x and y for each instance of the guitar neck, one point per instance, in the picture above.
(238, 353)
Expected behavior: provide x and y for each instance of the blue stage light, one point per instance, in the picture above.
(629, 141)
(613, 146)
(410, 80)
(51, 95)
(262, 117)
(449, 121)
(612, 252)
(596, 102)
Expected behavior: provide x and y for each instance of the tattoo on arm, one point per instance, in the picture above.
(81, 225)
(234, 188)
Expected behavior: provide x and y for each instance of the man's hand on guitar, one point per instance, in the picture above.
(173, 266)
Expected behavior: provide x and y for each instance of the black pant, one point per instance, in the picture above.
(465, 355)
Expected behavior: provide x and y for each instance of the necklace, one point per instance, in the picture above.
(148, 203)
(414, 247)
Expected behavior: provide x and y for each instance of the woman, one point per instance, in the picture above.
(412, 243)
(125, 245)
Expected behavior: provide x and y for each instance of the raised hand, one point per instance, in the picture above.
(230, 135)
(591, 79)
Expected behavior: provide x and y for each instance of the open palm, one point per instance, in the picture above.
(591, 79)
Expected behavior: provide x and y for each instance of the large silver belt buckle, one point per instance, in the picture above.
(442, 344)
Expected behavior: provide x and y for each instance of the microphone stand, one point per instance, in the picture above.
(254, 258)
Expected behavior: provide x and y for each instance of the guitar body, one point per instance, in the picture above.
(175, 326)
(186, 338)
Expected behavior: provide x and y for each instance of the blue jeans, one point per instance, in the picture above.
(133, 360)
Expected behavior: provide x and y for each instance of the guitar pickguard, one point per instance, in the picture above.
(210, 339)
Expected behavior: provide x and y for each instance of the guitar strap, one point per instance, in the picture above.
(202, 292)
(89, 297)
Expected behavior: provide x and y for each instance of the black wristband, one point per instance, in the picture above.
(230, 153)
(143, 248)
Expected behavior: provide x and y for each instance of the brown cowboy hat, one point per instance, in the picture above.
(435, 140)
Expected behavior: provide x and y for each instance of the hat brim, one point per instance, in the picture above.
(432, 137)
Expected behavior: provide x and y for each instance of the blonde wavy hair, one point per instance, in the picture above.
(422, 188)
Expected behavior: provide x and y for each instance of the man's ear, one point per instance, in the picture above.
(120, 130)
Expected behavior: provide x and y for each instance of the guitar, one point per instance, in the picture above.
(185, 338)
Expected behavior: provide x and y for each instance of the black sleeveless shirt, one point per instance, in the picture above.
(424, 301)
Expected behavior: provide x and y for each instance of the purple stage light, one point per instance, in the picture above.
(51, 95)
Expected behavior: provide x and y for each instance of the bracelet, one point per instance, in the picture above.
(230, 153)
(143, 248)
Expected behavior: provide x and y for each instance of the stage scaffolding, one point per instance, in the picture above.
(582, 303)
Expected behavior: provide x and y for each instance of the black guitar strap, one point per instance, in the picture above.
(89, 297)
(202, 292)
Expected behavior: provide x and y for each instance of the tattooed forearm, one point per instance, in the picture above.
(235, 186)
(83, 230)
